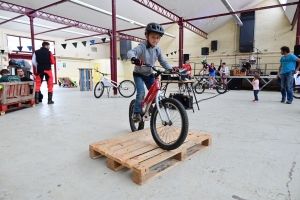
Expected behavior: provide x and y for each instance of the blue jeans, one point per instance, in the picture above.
(139, 81)
(255, 94)
(287, 85)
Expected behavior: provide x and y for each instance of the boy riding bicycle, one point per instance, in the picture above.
(211, 73)
(146, 52)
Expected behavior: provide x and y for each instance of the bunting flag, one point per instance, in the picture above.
(20, 48)
(172, 53)
(167, 55)
(17, 52)
(64, 45)
(84, 43)
(29, 48)
(92, 42)
(75, 44)
(175, 52)
(103, 39)
(2, 51)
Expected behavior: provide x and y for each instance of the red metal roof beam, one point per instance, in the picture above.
(57, 29)
(242, 11)
(141, 27)
(10, 8)
(84, 37)
(129, 37)
(170, 15)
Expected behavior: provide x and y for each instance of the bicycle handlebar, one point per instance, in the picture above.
(101, 72)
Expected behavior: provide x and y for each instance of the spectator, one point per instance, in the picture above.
(42, 59)
(224, 73)
(286, 73)
(188, 68)
(6, 77)
(21, 73)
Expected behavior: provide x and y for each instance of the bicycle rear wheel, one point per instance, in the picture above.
(170, 134)
(133, 125)
(127, 88)
(221, 88)
(296, 91)
(98, 90)
(199, 88)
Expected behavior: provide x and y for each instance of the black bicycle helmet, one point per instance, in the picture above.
(154, 27)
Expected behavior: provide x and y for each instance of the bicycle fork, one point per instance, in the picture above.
(163, 121)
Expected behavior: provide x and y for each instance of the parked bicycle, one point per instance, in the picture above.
(296, 87)
(202, 82)
(126, 88)
(169, 121)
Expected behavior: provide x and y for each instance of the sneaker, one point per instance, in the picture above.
(282, 101)
(255, 101)
(136, 117)
(288, 102)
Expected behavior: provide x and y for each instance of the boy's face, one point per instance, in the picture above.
(5, 74)
(153, 38)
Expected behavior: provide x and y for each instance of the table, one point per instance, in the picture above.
(167, 82)
(269, 78)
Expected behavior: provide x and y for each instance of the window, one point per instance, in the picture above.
(283, 2)
(14, 41)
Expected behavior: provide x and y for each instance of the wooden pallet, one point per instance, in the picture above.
(139, 152)
(16, 106)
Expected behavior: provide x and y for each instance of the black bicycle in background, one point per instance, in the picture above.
(203, 82)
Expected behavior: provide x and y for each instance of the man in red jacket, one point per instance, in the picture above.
(43, 59)
(188, 68)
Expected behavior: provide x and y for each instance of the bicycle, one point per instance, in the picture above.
(126, 88)
(169, 121)
(202, 82)
(296, 87)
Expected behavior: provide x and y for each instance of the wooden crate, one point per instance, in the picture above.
(139, 152)
(238, 72)
(15, 95)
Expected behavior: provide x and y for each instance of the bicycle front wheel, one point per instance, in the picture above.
(134, 125)
(127, 88)
(296, 91)
(98, 90)
(221, 88)
(199, 88)
(171, 134)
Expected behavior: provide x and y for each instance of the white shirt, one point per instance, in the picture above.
(225, 71)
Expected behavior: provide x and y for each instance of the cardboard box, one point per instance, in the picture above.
(238, 72)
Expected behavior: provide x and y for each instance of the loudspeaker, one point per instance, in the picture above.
(297, 50)
(125, 46)
(185, 57)
(235, 84)
(247, 31)
(214, 45)
(205, 51)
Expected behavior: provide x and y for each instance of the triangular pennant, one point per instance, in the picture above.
(29, 48)
(172, 53)
(2, 51)
(84, 43)
(175, 52)
(64, 45)
(75, 44)
(103, 39)
(20, 48)
(167, 55)
(17, 52)
(92, 42)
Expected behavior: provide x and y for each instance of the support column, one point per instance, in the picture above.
(180, 53)
(298, 27)
(114, 44)
(32, 40)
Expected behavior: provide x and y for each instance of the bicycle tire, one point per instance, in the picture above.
(199, 88)
(128, 86)
(296, 91)
(158, 130)
(133, 125)
(221, 88)
(100, 89)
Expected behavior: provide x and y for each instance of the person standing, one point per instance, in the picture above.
(188, 68)
(224, 73)
(255, 83)
(286, 73)
(43, 59)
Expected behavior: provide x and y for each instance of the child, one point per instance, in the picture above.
(146, 52)
(211, 73)
(6, 77)
(255, 83)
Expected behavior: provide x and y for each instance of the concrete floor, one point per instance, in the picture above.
(255, 152)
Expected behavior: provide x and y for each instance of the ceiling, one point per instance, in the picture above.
(126, 8)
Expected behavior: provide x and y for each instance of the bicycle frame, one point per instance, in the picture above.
(111, 82)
